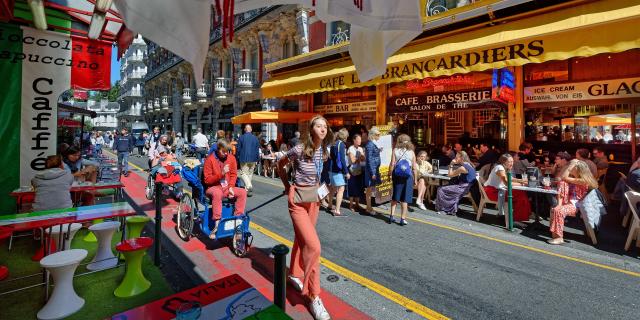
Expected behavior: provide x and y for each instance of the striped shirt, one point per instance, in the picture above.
(305, 172)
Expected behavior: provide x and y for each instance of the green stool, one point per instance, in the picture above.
(90, 237)
(135, 224)
(134, 282)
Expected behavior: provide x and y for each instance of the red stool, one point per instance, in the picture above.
(5, 232)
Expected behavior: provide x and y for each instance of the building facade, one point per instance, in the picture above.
(232, 75)
(495, 71)
(132, 73)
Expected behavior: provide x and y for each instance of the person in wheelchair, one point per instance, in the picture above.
(220, 176)
(163, 159)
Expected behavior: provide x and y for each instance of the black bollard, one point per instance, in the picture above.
(279, 275)
(158, 235)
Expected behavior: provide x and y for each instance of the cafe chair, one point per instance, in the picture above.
(432, 188)
(64, 300)
(634, 230)
(104, 257)
(484, 200)
(601, 177)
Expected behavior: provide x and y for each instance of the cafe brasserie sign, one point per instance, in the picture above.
(446, 101)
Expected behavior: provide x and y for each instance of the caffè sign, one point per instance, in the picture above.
(446, 101)
(578, 91)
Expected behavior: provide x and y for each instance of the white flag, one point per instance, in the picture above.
(181, 27)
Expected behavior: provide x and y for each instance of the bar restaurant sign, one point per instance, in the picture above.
(364, 106)
(446, 101)
(594, 90)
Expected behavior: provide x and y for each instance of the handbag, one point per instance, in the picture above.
(306, 194)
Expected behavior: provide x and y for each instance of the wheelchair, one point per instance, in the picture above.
(168, 179)
(196, 210)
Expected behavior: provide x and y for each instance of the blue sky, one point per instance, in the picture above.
(115, 65)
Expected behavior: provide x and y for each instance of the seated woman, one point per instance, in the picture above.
(575, 183)
(424, 167)
(52, 186)
(220, 175)
(81, 169)
(498, 180)
(462, 175)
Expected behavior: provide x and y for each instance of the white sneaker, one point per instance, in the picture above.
(318, 311)
(421, 206)
(296, 283)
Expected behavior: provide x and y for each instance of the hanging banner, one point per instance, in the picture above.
(37, 68)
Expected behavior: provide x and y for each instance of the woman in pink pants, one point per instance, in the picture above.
(307, 159)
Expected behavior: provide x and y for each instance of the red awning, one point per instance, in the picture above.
(69, 123)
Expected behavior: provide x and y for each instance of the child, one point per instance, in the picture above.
(424, 167)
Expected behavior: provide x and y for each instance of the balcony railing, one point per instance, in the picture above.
(136, 92)
(222, 86)
(166, 102)
(204, 93)
(137, 74)
(156, 104)
(247, 78)
(187, 96)
(136, 57)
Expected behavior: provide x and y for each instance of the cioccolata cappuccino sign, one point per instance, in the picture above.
(448, 101)
(594, 90)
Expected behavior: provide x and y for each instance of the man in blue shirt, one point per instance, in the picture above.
(123, 144)
(248, 155)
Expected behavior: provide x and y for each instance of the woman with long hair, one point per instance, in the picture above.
(371, 173)
(575, 183)
(303, 202)
(424, 168)
(338, 171)
(498, 180)
(403, 171)
(462, 175)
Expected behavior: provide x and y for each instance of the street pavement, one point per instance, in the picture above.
(453, 266)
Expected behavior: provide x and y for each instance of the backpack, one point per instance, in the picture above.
(337, 155)
(403, 167)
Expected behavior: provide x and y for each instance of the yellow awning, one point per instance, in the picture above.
(586, 30)
(272, 116)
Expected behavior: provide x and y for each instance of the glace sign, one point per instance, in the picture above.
(577, 91)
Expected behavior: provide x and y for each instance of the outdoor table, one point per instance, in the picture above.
(50, 218)
(228, 298)
(536, 192)
(22, 193)
(440, 176)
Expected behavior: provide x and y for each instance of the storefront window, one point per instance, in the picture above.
(437, 111)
